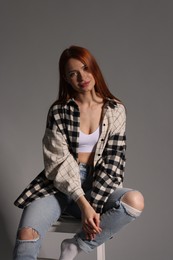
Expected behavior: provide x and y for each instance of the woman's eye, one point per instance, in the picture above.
(85, 67)
(72, 74)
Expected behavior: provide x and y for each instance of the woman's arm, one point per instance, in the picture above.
(109, 172)
(60, 165)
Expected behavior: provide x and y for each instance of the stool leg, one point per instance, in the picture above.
(101, 252)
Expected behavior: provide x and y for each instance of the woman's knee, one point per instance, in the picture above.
(134, 199)
(28, 233)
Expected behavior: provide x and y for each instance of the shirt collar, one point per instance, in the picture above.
(110, 103)
(71, 102)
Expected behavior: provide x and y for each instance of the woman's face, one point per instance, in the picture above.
(78, 76)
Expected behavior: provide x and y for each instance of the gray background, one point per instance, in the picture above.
(133, 44)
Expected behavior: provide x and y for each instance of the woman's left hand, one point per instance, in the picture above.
(90, 222)
(90, 219)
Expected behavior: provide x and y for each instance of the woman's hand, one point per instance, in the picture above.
(90, 219)
(90, 222)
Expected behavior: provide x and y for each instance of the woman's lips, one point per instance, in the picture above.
(85, 84)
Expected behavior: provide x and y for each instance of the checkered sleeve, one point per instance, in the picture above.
(109, 172)
(60, 165)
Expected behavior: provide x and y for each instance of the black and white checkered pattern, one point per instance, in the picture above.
(60, 149)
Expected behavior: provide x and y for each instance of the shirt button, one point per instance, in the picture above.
(102, 140)
(99, 154)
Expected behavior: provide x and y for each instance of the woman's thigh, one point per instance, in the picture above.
(114, 198)
(41, 214)
(112, 202)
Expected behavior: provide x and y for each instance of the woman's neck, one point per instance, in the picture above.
(88, 99)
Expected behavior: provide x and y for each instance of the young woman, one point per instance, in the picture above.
(84, 154)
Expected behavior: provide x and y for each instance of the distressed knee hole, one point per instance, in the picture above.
(134, 199)
(131, 211)
(28, 233)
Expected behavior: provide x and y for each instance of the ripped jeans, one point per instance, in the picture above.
(42, 213)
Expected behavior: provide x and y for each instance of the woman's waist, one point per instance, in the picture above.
(86, 158)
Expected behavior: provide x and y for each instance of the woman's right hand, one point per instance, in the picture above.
(90, 222)
(90, 219)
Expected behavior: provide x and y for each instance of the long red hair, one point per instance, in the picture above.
(83, 55)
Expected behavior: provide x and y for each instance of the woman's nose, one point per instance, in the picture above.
(81, 76)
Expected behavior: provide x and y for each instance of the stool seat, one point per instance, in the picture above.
(69, 224)
(66, 224)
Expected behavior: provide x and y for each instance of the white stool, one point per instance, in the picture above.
(68, 224)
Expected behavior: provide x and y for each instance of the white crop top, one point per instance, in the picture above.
(88, 142)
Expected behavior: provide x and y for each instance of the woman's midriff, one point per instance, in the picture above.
(87, 158)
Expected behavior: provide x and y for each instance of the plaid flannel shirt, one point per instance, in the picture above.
(60, 150)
